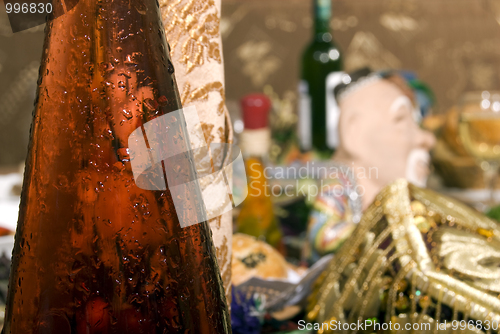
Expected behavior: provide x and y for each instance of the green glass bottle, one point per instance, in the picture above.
(320, 73)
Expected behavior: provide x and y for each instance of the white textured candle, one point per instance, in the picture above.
(192, 30)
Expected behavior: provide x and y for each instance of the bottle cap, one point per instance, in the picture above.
(255, 109)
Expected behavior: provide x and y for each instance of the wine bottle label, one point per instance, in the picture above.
(332, 110)
(305, 122)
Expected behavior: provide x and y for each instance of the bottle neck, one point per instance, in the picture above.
(255, 143)
(322, 15)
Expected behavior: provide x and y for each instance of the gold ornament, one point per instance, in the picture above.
(416, 252)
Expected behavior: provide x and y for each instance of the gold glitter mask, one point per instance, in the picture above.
(415, 257)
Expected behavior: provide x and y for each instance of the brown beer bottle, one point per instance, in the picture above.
(97, 250)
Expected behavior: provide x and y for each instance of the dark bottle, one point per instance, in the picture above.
(320, 72)
(95, 252)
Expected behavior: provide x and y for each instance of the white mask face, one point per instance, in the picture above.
(417, 167)
(401, 102)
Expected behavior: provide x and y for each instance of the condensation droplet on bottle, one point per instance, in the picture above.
(170, 67)
(129, 60)
(123, 154)
(127, 113)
